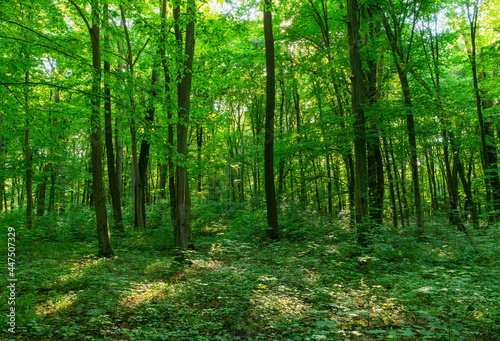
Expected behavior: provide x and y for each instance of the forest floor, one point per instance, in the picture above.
(313, 284)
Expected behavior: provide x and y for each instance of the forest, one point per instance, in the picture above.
(250, 170)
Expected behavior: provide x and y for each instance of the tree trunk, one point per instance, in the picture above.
(281, 171)
(108, 131)
(42, 189)
(182, 222)
(272, 213)
(170, 168)
(28, 157)
(490, 167)
(2, 178)
(103, 234)
(361, 179)
(391, 184)
(144, 153)
(410, 121)
(296, 101)
(199, 140)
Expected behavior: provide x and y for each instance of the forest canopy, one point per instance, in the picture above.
(374, 117)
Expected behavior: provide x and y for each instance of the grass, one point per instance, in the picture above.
(313, 284)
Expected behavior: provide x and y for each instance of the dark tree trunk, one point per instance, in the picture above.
(199, 140)
(108, 132)
(42, 189)
(272, 213)
(103, 234)
(170, 168)
(431, 183)
(281, 171)
(470, 203)
(136, 185)
(182, 221)
(329, 186)
(346, 155)
(375, 177)
(410, 121)
(398, 184)
(452, 182)
(296, 101)
(391, 184)
(3, 196)
(144, 153)
(488, 149)
(361, 179)
(28, 157)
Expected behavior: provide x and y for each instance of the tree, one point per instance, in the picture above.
(361, 179)
(272, 212)
(401, 61)
(488, 149)
(182, 205)
(103, 234)
(114, 185)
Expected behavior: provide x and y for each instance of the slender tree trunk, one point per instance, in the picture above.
(296, 101)
(182, 222)
(108, 132)
(42, 189)
(346, 155)
(410, 121)
(199, 140)
(391, 184)
(398, 184)
(28, 157)
(375, 177)
(170, 129)
(470, 203)
(272, 212)
(136, 185)
(281, 171)
(3, 196)
(103, 234)
(329, 186)
(490, 167)
(144, 152)
(361, 179)
(316, 188)
(452, 185)
(118, 145)
(431, 185)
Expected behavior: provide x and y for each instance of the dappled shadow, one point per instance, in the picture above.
(231, 287)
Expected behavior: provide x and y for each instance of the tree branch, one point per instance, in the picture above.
(81, 15)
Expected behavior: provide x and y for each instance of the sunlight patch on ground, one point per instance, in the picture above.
(268, 304)
(79, 268)
(365, 307)
(52, 307)
(204, 264)
(143, 292)
(158, 266)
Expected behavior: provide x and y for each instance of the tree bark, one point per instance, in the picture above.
(28, 157)
(391, 184)
(103, 234)
(108, 132)
(182, 222)
(296, 102)
(144, 152)
(3, 196)
(272, 212)
(42, 189)
(410, 121)
(490, 167)
(361, 179)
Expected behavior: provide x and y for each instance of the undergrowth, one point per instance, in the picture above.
(312, 284)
